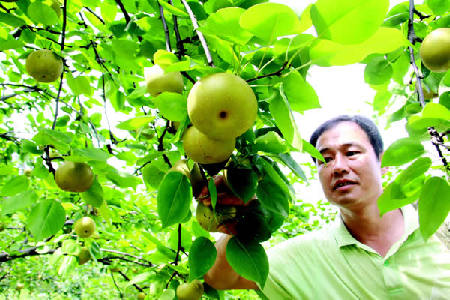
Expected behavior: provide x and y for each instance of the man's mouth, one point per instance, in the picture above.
(342, 183)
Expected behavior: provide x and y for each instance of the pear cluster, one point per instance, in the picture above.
(221, 107)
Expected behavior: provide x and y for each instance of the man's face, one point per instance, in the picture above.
(351, 176)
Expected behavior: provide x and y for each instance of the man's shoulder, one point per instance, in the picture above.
(314, 240)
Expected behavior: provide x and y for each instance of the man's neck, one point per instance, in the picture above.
(366, 226)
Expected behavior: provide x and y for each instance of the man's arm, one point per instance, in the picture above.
(221, 276)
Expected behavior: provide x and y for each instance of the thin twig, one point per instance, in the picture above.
(180, 46)
(199, 34)
(276, 73)
(124, 254)
(95, 15)
(180, 248)
(111, 135)
(114, 280)
(166, 28)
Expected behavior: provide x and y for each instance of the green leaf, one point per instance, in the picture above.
(378, 71)
(417, 168)
(18, 201)
(439, 7)
(328, 53)
(94, 195)
(349, 21)
(121, 180)
(270, 142)
(46, 219)
(287, 159)
(282, 114)
(381, 100)
(125, 53)
(172, 106)
(135, 123)
(79, 85)
(88, 154)
(401, 152)
(212, 192)
(272, 191)
(311, 150)
(10, 19)
(433, 114)
(393, 198)
(40, 13)
(15, 185)
(153, 174)
(173, 10)
(242, 182)
(270, 20)
(201, 257)
(60, 140)
(10, 44)
(7, 170)
(174, 198)
(225, 25)
(248, 259)
(434, 205)
(300, 93)
(108, 11)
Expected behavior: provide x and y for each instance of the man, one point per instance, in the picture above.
(361, 255)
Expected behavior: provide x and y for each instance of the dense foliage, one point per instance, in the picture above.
(146, 237)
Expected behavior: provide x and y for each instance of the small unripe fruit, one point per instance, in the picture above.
(158, 81)
(84, 227)
(44, 65)
(141, 296)
(190, 291)
(74, 177)
(435, 50)
(84, 256)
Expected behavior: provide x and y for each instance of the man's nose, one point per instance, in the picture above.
(340, 164)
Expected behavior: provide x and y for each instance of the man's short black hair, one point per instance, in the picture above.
(366, 124)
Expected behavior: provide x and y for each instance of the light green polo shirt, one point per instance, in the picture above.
(331, 264)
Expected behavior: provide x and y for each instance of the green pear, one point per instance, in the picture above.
(202, 149)
(435, 50)
(158, 81)
(222, 106)
(190, 291)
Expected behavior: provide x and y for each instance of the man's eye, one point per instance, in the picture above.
(327, 159)
(350, 153)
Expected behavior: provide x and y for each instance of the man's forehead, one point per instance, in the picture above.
(344, 134)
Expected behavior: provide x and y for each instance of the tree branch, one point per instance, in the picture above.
(124, 11)
(200, 35)
(412, 39)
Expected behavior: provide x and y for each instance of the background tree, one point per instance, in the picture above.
(146, 240)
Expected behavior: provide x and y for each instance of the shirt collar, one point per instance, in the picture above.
(344, 238)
